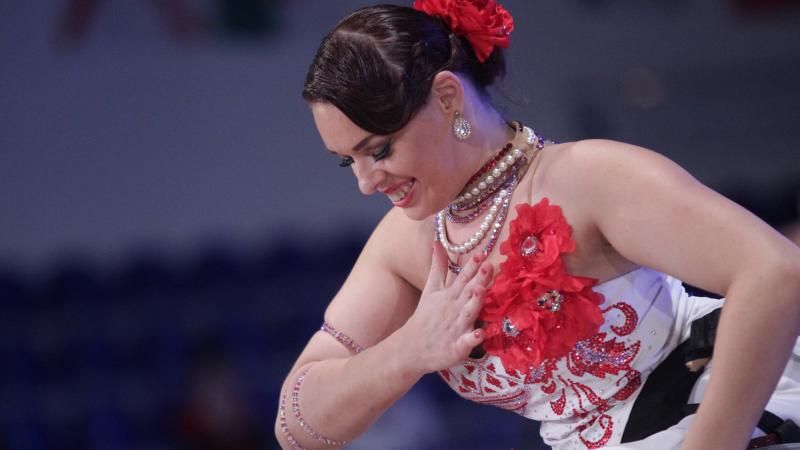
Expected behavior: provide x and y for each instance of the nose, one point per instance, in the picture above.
(369, 177)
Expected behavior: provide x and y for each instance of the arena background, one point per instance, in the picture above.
(171, 227)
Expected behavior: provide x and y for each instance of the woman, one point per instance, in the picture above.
(530, 275)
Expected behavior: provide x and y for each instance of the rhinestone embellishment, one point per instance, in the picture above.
(551, 300)
(529, 245)
(461, 127)
(509, 329)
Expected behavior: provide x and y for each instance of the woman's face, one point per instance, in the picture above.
(416, 168)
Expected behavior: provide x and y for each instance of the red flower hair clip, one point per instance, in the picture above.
(484, 23)
(535, 310)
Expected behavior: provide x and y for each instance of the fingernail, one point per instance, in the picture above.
(476, 258)
(484, 270)
(477, 334)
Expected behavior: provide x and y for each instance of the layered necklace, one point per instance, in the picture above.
(488, 194)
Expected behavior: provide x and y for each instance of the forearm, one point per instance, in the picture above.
(759, 325)
(341, 398)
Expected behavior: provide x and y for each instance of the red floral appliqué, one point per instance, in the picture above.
(484, 23)
(535, 310)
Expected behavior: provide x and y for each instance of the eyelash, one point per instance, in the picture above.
(382, 153)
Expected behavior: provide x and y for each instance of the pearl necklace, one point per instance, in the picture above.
(492, 224)
(474, 195)
(498, 185)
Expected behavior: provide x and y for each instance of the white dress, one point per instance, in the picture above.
(583, 400)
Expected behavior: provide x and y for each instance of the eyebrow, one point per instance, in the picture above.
(360, 145)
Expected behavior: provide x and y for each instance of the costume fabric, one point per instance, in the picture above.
(583, 400)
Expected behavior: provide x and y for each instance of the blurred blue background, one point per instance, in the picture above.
(171, 227)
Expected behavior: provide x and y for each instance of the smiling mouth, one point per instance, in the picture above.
(399, 194)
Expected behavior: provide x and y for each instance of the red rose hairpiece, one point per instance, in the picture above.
(484, 23)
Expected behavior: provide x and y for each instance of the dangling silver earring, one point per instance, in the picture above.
(461, 127)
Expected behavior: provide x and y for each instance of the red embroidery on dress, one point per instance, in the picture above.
(565, 382)
(543, 373)
(492, 380)
(600, 357)
(581, 411)
(634, 378)
(606, 424)
(631, 318)
(466, 382)
(591, 395)
(549, 388)
(558, 405)
(483, 384)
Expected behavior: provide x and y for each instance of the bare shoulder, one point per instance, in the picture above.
(597, 175)
(654, 214)
(605, 162)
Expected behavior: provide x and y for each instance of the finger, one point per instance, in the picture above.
(438, 273)
(472, 308)
(470, 340)
(482, 277)
(468, 272)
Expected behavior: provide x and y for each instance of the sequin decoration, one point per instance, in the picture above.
(551, 300)
(509, 329)
(631, 318)
(302, 421)
(605, 423)
(285, 426)
(529, 246)
(346, 340)
(600, 357)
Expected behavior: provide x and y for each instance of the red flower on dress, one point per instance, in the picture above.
(535, 310)
(484, 23)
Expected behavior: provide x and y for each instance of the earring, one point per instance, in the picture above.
(461, 127)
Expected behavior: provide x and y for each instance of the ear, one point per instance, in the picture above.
(447, 92)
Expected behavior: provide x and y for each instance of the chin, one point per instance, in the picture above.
(417, 214)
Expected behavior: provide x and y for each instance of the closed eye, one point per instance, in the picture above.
(383, 152)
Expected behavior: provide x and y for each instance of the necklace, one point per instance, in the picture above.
(490, 194)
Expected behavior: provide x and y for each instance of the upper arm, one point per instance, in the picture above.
(376, 298)
(655, 214)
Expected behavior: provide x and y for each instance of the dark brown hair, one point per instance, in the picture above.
(378, 63)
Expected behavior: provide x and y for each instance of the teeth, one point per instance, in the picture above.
(401, 192)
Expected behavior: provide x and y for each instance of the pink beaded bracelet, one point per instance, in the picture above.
(341, 337)
(285, 427)
(306, 427)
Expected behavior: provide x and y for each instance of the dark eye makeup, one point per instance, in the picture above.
(377, 155)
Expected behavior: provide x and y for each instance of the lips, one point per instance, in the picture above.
(400, 194)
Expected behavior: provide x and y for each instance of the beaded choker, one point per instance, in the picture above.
(488, 192)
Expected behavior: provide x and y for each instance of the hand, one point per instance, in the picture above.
(441, 332)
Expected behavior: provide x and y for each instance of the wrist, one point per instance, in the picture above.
(404, 362)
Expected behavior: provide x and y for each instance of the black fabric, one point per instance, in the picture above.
(665, 392)
(786, 430)
(769, 422)
(701, 339)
